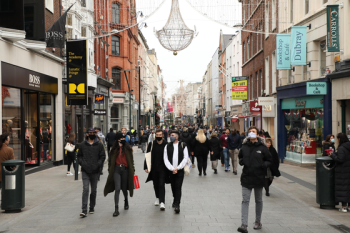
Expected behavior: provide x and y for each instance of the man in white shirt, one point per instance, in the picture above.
(175, 159)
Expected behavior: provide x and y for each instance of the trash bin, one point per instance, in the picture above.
(13, 186)
(325, 194)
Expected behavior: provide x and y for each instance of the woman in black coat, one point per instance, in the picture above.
(272, 171)
(201, 148)
(216, 148)
(71, 155)
(328, 144)
(342, 172)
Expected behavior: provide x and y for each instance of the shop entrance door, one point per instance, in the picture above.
(32, 138)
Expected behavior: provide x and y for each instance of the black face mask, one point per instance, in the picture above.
(159, 139)
(92, 136)
(122, 142)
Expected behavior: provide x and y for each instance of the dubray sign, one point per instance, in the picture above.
(298, 45)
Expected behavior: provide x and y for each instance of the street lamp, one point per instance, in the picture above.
(155, 101)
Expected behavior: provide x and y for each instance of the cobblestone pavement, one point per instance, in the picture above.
(209, 204)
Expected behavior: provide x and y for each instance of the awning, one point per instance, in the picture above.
(234, 119)
(253, 115)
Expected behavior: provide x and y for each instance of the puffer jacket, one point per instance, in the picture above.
(326, 146)
(256, 158)
(91, 157)
(342, 173)
(187, 138)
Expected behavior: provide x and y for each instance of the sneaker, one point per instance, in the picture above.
(91, 211)
(83, 214)
(177, 209)
(343, 209)
(257, 225)
(225, 169)
(156, 203)
(69, 174)
(243, 229)
(162, 206)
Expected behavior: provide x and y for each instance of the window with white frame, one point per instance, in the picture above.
(243, 6)
(252, 43)
(261, 82)
(257, 84)
(244, 52)
(48, 5)
(307, 6)
(248, 51)
(261, 35)
(83, 31)
(267, 20)
(291, 6)
(116, 13)
(267, 75)
(248, 5)
(274, 74)
(274, 14)
(237, 46)
(69, 19)
(238, 68)
(323, 51)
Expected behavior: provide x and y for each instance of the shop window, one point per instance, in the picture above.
(7, 6)
(115, 45)
(46, 127)
(116, 13)
(116, 75)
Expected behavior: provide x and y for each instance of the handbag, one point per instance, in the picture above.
(188, 167)
(136, 182)
(69, 147)
(148, 157)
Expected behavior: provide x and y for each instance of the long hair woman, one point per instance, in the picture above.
(71, 155)
(216, 147)
(201, 148)
(121, 172)
(328, 144)
(342, 175)
(272, 171)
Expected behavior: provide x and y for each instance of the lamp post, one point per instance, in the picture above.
(155, 100)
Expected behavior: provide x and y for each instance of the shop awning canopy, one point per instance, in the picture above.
(253, 115)
(234, 119)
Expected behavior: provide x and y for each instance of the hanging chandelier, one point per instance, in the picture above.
(175, 35)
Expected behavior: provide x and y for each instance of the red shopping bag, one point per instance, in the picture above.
(136, 182)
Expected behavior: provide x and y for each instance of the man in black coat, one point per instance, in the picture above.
(110, 139)
(256, 158)
(157, 171)
(143, 141)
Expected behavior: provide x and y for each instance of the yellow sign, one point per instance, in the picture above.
(239, 88)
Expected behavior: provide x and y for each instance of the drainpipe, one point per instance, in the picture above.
(343, 122)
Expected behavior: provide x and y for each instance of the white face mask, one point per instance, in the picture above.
(252, 135)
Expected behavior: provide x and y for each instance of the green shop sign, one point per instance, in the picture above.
(316, 88)
(303, 102)
(333, 28)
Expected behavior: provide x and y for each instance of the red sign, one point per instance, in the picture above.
(170, 107)
(239, 88)
(254, 107)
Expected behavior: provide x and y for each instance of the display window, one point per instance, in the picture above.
(304, 134)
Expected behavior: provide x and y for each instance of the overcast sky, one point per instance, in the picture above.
(191, 63)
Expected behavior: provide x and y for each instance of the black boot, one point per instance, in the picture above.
(116, 212)
(215, 171)
(126, 204)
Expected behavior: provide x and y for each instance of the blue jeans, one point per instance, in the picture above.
(226, 156)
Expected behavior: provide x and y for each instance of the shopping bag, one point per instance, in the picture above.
(69, 147)
(136, 182)
(188, 167)
(148, 157)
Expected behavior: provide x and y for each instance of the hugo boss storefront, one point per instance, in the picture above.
(28, 113)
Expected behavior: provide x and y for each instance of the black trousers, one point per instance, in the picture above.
(120, 177)
(192, 158)
(70, 161)
(159, 184)
(267, 184)
(222, 157)
(176, 181)
(202, 162)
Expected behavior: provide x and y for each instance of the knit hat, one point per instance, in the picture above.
(119, 136)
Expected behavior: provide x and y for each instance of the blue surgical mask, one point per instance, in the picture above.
(172, 139)
(252, 135)
(332, 140)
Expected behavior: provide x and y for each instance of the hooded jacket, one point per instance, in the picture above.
(186, 137)
(342, 173)
(234, 141)
(256, 158)
(327, 145)
(91, 157)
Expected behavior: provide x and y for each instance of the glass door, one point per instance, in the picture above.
(32, 137)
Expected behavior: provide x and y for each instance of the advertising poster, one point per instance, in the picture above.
(239, 88)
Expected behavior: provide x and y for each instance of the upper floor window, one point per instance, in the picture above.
(116, 12)
(115, 45)
(291, 11)
(307, 2)
(83, 3)
(116, 75)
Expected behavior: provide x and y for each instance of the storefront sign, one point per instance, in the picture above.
(266, 101)
(268, 111)
(298, 45)
(100, 112)
(303, 102)
(316, 88)
(118, 100)
(19, 77)
(333, 28)
(239, 88)
(77, 73)
(283, 52)
(254, 107)
(99, 99)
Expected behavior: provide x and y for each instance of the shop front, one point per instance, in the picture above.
(269, 120)
(303, 121)
(251, 114)
(236, 122)
(29, 113)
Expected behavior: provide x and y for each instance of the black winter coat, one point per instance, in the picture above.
(275, 162)
(187, 138)
(110, 138)
(326, 146)
(342, 173)
(256, 158)
(201, 149)
(91, 157)
(144, 138)
(216, 147)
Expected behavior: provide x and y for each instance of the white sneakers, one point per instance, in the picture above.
(156, 203)
(344, 210)
(69, 174)
(162, 206)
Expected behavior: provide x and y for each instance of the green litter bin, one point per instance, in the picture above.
(13, 186)
(325, 193)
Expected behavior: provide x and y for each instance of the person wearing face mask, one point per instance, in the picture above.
(6, 152)
(158, 173)
(121, 172)
(328, 144)
(175, 159)
(91, 156)
(234, 144)
(255, 158)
